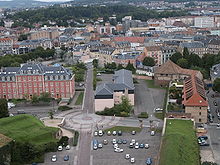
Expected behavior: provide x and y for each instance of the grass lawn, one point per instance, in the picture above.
(159, 115)
(79, 100)
(124, 129)
(27, 128)
(179, 145)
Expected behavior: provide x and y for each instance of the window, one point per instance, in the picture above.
(200, 120)
(200, 107)
(200, 113)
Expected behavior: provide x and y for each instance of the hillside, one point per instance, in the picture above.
(27, 128)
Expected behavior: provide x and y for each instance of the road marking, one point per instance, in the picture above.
(91, 159)
(75, 160)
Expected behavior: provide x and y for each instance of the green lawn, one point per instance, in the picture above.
(150, 84)
(179, 145)
(159, 115)
(79, 100)
(124, 129)
(27, 128)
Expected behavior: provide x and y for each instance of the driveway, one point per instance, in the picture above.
(146, 99)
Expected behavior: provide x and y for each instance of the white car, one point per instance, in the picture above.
(100, 145)
(95, 147)
(127, 156)
(67, 147)
(10, 105)
(114, 133)
(133, 141)
(98, 74)
(146, 146)
(132, 160)
(100, 133)
(114, 141)
(158, 109)
(152, 133)
(109, 133)
(115, 146)
(95, 133)
(60, 148)
(136, 146)
(119, 150)
(54, 158)
(218, 125)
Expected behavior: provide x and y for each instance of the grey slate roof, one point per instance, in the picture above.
(122, 80)
(192, 45)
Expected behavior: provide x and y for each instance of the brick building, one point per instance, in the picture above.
(35, 78)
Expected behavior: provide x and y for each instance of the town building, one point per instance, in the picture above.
(41, 34)
(204, 22)
(194, 99)
(215, 72)
(167, 52)
(6, 46)
(213, 46)
(34, 78)
(109, 94)
(169, 71)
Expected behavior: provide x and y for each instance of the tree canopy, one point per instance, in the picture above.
(3, 108)
(216, 85)
(149, 61)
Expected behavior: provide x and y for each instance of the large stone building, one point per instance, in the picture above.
(6, 46)
(194, 99)
(169, 71)
(42, 34)
(35, 78)
(109, 94)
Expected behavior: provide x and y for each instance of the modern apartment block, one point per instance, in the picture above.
(204, 22)
(34, 78)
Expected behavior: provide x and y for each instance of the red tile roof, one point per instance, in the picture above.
(194, 92)
(130, 39)
(5, 39)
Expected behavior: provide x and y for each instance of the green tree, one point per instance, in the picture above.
(35, 99)
(176, 56)
(22, 37)
(2, 23)
(149, 61)
(50, 114)
(120, 66)
(95, 63)
(185, 53)
(130, 67)
(45, 97)
(216, 85)
(183, 63)
(194, 60)
(3, 108)
(79, 77)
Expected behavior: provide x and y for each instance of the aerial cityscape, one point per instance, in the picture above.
(112, 82)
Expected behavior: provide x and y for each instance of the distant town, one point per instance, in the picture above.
(106, 83)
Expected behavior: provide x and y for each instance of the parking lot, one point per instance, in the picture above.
(214, 109)
(107, 156)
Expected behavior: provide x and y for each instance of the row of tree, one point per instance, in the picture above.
(63, 16)
(193, 61)
(16, 60)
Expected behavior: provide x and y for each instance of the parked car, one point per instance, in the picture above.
(66, 158)
(133, 132)
(115, 146)
(54, 158)
(60, 148)
(146, 146)
(114, 141)
(119, 141)
(141, 145)
(11, 105)
(100, 133)
(119, 133)
(95, 146)
(215, 103)
(132, 140)
(105, 142)
(136, 145)
(158, 109)
(124, 141)
(96, 133)
(152, 133)
(114, 133)
(100, 145)
(127, 156)
(119, 150)
(218, 125)
(98, 74)
(148, 161)
(132, 160)
(131, 145)
(68, 147)
(109, 133)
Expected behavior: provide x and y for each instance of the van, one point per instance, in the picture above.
(100, 133)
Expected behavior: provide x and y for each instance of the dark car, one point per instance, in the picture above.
(215, 103)
(119, 133)
(148, 161)
(124, 141)
(119, 141)
(141, 145)
(66, 158)
(203, 137)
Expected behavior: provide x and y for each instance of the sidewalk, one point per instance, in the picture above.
(75, 98)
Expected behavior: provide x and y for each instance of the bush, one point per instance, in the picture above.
(143, 115)
(64, 108)
(63, 141)
(75, 139)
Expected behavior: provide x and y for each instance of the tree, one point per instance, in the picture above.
(149, 61)
(216, 85)
(120, 66)
(50, 114)
(183, 63)
(130, 67)
(3, 108)
(176, 56)
(45, 97)
(22, 37)
(95, 63)
(34, 99)
(2, 23)
(185, 53)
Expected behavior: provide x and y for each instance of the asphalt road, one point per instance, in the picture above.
(83, 157)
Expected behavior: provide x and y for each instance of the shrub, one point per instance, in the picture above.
(63, 141)
(64, 108)
(143, 115)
